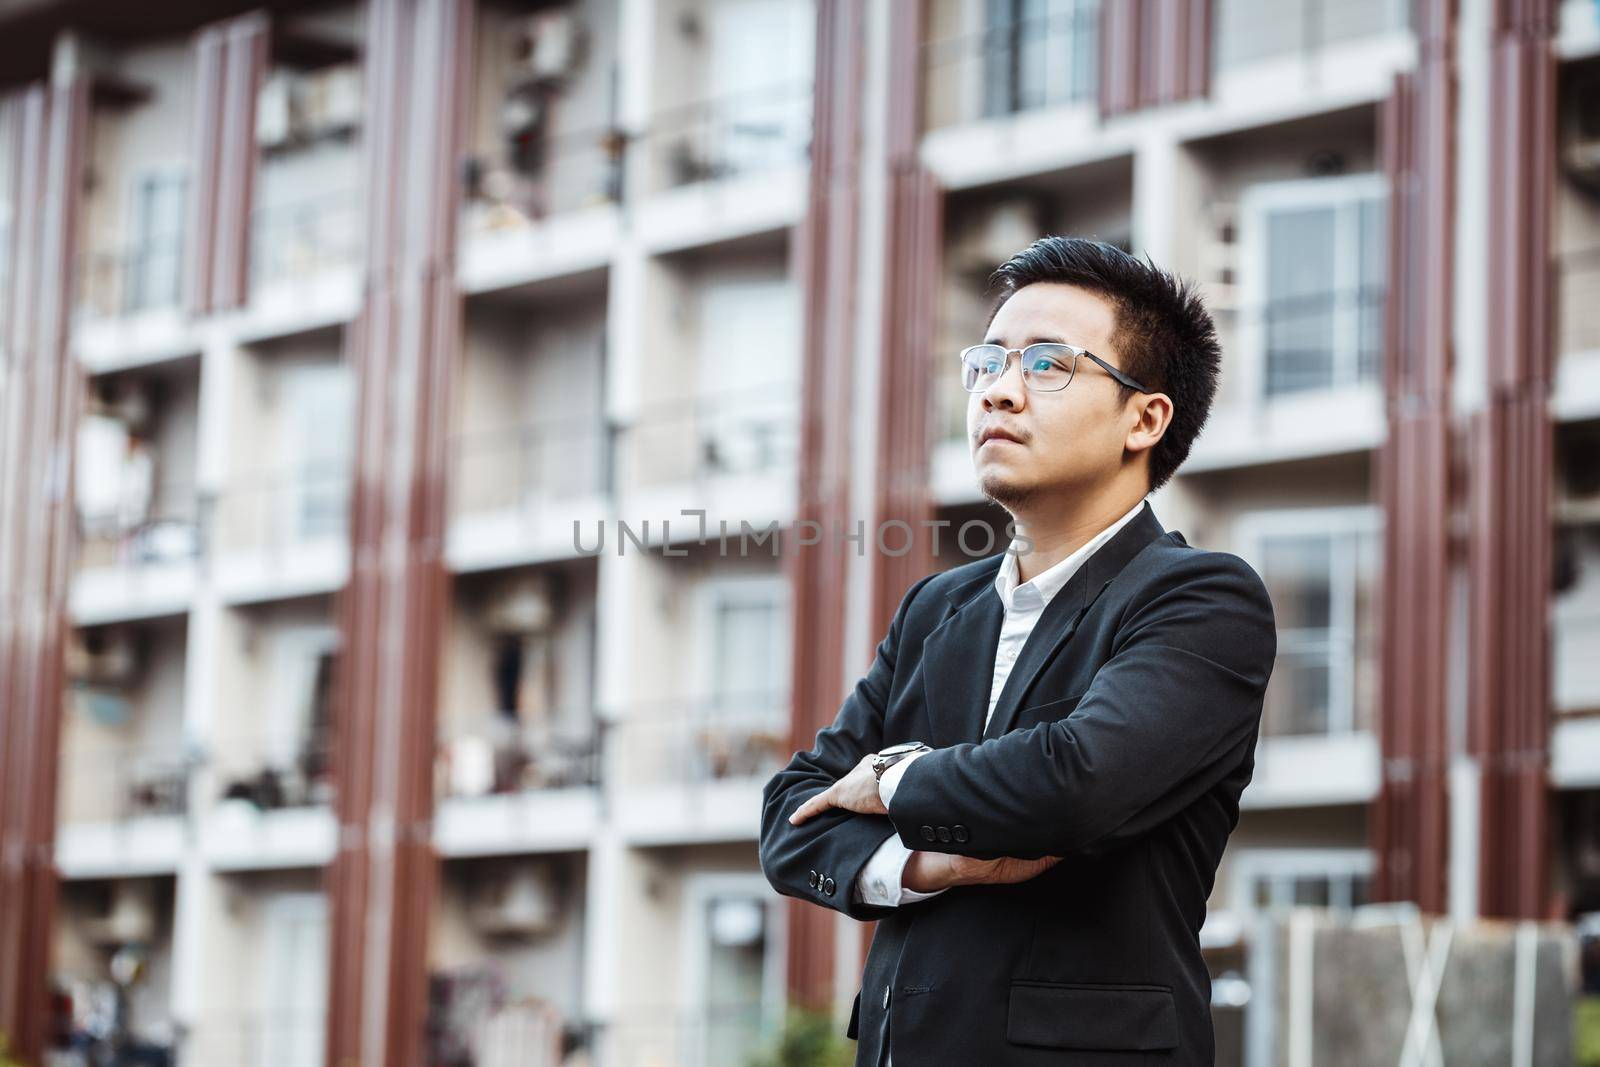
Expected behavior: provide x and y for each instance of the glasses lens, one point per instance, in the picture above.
(981, 365)
(1047, 367)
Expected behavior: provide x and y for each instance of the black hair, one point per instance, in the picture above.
(1165, 337)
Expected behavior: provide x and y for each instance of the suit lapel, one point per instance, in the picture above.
(958, 659)
(1061, 618)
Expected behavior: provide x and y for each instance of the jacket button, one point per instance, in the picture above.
(944, 834)
(827, 887)
(886, 996)
(927, 833)
(811, 876)
(959, 832)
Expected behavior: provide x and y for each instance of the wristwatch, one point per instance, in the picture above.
(888, 757)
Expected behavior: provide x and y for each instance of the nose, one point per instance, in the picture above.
(1006, 391)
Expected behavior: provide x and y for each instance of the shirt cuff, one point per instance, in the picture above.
(891, 778)
(880, 879)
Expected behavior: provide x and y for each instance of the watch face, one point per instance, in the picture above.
(904, 746)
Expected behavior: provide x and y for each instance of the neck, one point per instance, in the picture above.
(1054, 533)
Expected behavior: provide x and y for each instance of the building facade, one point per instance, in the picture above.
(416, 413)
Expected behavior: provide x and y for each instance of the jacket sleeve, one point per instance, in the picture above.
(1172, 712)
(821, 859)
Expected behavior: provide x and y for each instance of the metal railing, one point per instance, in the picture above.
(281, 512)
(283, 1037)
(146, 525)
(131, 278)
(528, 467)
(1014, 64)
(719, 1034)
(121, 783)
(728, 136)
(1317, 340)
(744, 432)
(271, 776)
(741, 735)
(304, 238)
(495, 754)
(1578, 302)
(1247, 31)
(533, 178)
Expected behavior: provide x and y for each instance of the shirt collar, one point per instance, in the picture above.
(1035, 593)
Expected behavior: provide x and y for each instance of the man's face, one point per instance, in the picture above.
(1071, 440)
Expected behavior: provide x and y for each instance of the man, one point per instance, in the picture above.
(1032, 787)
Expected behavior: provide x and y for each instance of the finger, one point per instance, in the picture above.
(820, 802)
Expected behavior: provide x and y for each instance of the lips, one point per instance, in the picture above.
(997, 435)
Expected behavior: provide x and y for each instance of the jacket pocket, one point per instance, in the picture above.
(853, 1031)
(1092, 1016)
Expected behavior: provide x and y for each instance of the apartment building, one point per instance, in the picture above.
(680, 268)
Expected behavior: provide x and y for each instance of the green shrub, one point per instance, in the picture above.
(809, 1039)
(1586, 1035)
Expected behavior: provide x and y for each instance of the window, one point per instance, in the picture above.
(1039, 53)
(155, 254)
(1314, 282)
(741, 730)
(1263, 879)
(734, 968)
(760, 72)
(1320, 566)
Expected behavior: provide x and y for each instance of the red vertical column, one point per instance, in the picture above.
(1409, 821)
(1153, 52)
(1511, 474)
(403, 348)
(230, 60)
(43, 393)
(825, 253)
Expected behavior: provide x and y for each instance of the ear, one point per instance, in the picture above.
(1152, 414)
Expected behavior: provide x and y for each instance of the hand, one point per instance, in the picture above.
(928, 872)
(856, 791)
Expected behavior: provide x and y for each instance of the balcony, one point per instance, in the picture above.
(123, 809)
(693, 770)
(1279, 53)
(273, 803)
(735, 454)
(504, 786)
(515, 493)
(283, 534)
(138, 548)
(305, 257)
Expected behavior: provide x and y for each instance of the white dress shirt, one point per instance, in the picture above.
(880, 878)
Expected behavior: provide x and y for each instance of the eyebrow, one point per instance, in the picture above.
(1029, 341)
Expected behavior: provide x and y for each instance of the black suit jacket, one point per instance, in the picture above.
(1121, 742)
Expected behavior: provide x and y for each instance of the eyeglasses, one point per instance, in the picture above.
(1046, 367)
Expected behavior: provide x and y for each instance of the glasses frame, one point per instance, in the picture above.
(1027, 382)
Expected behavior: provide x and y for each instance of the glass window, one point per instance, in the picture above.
(736, 969)
(156, 251)
(1321, 585)
(1039, 53)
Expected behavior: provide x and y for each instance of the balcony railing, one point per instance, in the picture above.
(536, 178)
(136, 277)
(529, 467)
(734, 736)
(495, 754)
(271, 776)
(276, 1037)
(729, 136)
(279, 512)
(720, 1033)
(120, 783)
(1013, 65)
(747, 432)
(1247, 31)
(1578, 302)
(305, 238)
(136, 525)
(1317, 340)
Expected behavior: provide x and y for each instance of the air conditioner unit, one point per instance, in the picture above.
(549, 46)
(527, 604)
(1580, 132)
(129, 916)
(994, 235)
(275, 110)
(520, 900)
(107, 656)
